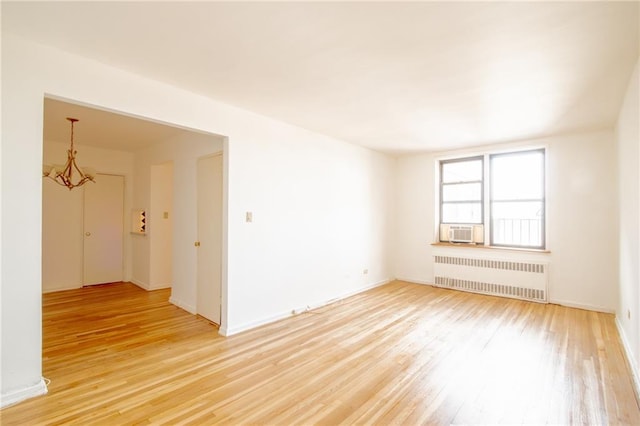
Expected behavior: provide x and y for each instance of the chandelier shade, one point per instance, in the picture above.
(69, 174)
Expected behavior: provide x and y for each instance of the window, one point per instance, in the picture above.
(461, 190)
(517, 199)
(515, 186)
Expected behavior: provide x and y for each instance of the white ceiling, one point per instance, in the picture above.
(392, 76)
(102, 128)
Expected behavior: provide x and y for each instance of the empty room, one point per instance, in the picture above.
(320, 213)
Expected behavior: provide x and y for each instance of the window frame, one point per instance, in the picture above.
(543, 222)
(486, 194)
(482, 189)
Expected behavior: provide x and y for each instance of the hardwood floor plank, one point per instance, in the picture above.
(398, 354)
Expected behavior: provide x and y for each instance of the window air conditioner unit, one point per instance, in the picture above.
(461, 233)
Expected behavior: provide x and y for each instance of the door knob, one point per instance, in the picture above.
(88, 234)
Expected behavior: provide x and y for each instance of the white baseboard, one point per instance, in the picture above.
(228, 331)
(53, 290)
(139, 283)
(149, 287)
(159, 287)
(554, 301)
(631, 361)
(16, 396)
(415, 281)
(180, 304)
(582, 306)
(357, 291)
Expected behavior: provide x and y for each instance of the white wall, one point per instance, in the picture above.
(322, 214)
(160, 226)
(582, 218)
(320, 205)
(415, 218)
(628, 150)
(62, 222)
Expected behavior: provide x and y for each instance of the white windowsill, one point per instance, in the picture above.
(481, 246)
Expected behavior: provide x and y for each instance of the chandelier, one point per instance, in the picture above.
(64, 175)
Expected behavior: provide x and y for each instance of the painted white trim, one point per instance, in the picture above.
(159, 287)
(140, 284)
(584, 306)
(555, 301)
(631, 362)
(53, 290)
(415, 281)
(358, 291)
(16, 396)
(229, 331)
(189, 308)
(149, 287)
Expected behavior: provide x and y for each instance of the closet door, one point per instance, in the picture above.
(103, 230)
(209, 244)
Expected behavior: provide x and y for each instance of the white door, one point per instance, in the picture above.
(209, 237)
(103, 229)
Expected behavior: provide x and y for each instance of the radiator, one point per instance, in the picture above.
(521, 280)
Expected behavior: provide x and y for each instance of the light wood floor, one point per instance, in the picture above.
(399, 354)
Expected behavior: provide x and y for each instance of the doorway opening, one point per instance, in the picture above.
(158, 165)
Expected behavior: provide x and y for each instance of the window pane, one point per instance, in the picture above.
(461, 212)
(462, 171)
(462, 192)
(517, 223)
(517, 176)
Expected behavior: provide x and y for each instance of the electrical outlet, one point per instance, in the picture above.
(365, 271)
(249, 217)
(628, 313)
